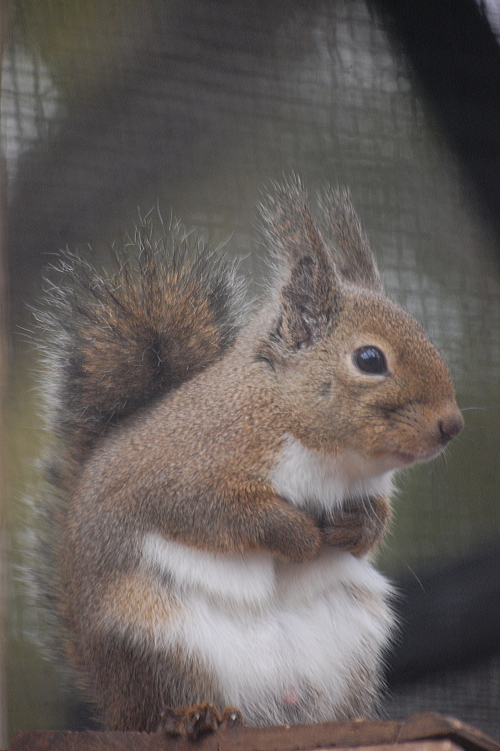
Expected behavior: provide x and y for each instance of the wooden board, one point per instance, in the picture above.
(423, 732)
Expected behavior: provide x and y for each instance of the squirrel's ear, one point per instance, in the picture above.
(353, 258)
(308, 292)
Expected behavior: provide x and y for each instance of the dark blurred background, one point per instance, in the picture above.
(110, 106)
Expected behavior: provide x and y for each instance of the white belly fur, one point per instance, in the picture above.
(294, 645)
(284, 642)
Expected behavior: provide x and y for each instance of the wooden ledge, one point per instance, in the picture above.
(422, 732)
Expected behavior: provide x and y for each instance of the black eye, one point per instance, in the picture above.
(370, 360)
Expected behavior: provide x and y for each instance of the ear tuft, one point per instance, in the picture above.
(308, 294)
(353, 258)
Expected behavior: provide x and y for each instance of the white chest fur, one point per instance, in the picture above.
(316, 481)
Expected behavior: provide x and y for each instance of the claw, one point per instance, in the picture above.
(231, 718)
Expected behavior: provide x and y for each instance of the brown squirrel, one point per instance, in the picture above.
(222, 477)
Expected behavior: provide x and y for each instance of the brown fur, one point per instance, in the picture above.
(182, 441)
(137, 602)
(134, 692)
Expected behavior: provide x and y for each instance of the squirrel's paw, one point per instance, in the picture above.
(195, 722)
(357, 528)
(304, 549)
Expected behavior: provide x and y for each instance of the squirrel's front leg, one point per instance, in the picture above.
(292, 534)
(357, 527)
(243, 516)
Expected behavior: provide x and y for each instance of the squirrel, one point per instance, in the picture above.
(222, 475)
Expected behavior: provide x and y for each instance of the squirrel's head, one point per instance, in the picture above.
(355, 371)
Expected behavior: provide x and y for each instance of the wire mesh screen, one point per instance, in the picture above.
(111, 106)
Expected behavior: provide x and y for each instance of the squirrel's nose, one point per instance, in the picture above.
(450, 426)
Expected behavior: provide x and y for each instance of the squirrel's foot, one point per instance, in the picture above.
(193, 723)
(357, 528)
(231, 718)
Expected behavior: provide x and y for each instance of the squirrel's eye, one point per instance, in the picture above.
(370, 360)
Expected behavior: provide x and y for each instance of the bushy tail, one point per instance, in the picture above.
(118, 341)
